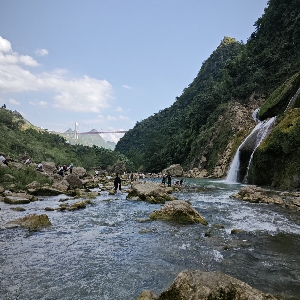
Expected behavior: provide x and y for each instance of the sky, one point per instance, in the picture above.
(107, 64)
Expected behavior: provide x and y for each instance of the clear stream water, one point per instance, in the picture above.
(106, 252)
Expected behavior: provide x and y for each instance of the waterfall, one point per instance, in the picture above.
(257, 135)
(293, 99)
(233, 173)
(263, 132)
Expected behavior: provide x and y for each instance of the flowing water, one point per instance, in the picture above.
(110, 251)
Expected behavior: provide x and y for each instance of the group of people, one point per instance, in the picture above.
(61, 170)
(168, 178)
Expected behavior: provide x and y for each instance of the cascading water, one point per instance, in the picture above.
(233, 173)
(255, 138)
(264, 131)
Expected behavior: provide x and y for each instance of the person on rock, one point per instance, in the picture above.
(163, 181)
(71, 168)
(169, 177)
(117, 182)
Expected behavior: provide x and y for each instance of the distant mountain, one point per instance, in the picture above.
(89, 139)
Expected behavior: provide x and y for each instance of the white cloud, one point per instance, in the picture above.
(28, 61)
(5, 45)
(32, 103)
(41, 52)
(14, 102)
(126, 87)
(75, 94)
(119, 108)
(43, 103)
(124, 118)
(111, 118)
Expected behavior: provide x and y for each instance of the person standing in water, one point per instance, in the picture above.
(117, 182)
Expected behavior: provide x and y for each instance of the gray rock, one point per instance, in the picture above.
(178, 211)
(32, 222)
(200, 285)
(74, 181)
(80, 172)
(62, 185)
(174, 170)
(33, 185)
(147, 295)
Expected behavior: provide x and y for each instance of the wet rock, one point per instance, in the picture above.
(18, 208)
(236, 231)
(209, 286)
(178, 211)
(174, 170)
(150, 191)
(147, 295)
(78, 205)
(74, 181)
(49, 208)
(32, 222)
(44, 191)
(255, 194)
(1, 189)
(18, 198)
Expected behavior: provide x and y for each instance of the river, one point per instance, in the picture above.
(108, 251)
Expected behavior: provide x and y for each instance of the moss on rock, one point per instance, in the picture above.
(279, 99)
(276, 161)
(178, 211)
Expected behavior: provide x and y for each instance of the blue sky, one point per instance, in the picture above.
(108, 64)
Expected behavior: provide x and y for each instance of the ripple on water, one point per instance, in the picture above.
(104, 252)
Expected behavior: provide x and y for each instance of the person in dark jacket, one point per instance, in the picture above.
(117, 182)
(169, 177)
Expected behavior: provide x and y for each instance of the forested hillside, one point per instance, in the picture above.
(19, 143)
(236, 75)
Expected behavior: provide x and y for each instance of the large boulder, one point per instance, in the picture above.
(178, 211)
(18, 198)
(255, 194)
(62, 185)
(44, 191)
(147, 295)
(49, 167)
(200, 285)
(32, 222)
(74, 181)
(152, 192)
(80, 172)
(174, 170)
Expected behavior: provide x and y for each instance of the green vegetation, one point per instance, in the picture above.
(277, 160)
(20, 178)
(279, 99)
(191, 127)
(39, 145)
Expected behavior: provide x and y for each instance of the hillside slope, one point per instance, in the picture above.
(203, 127)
